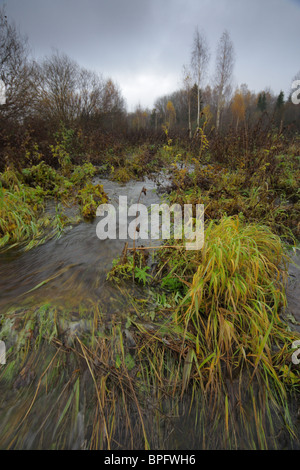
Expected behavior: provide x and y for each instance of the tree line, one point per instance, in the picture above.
(227, 107)
(41, 96)
(55, 89)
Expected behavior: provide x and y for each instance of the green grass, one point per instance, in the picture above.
(23, 198)
(204, 360)
(259, 198)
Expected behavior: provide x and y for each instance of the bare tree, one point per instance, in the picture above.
(16, 71)
(58, 87)
(160, 105)
(91, 90)
(199, 62)
(224, 70)
(113, 103)
(13, 48)
(69, 93)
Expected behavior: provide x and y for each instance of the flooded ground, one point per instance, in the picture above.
(75, 266)
(66, 272)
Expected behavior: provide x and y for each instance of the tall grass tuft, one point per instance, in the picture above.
(236, 293)
(214, 371)
(17, 218)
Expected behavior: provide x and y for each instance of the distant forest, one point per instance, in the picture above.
(55, 92)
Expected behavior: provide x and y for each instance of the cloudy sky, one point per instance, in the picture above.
(143, 44)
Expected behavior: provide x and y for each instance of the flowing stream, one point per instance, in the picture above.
(74, 266)
(71, 269)
(67, 271)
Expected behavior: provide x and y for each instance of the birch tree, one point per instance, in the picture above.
(224, 70)
(199, 63)
(170, 114)
(238, 107)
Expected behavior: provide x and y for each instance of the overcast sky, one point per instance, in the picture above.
(143, 44)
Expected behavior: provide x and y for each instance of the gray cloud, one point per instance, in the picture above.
(143, 44)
